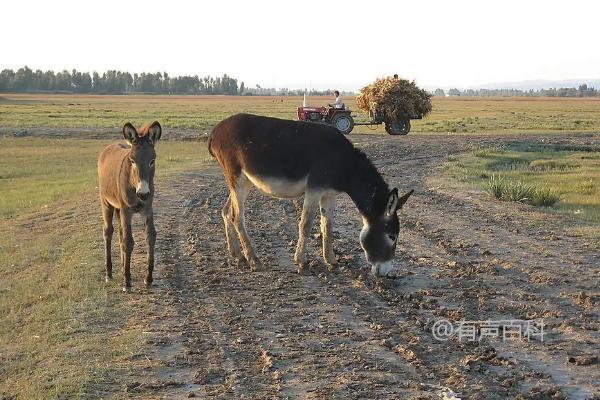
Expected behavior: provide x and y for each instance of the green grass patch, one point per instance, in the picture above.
(552, 165)
(35, 172)
(541, 174)
(484, 152)
(519, 191)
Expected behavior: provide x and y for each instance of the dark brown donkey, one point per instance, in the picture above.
(126, 175)
(286, 159)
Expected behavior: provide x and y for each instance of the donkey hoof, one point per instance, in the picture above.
(238, 262)
(148, 284)
(302, 270)
(127, 289)
(256, 266)
(304, 267)
(375, 270)
(300, 259)
(331, 259)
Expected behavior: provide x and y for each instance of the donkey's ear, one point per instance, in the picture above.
(130, 133)
(154, 132)
(390, 207)
(403, 199)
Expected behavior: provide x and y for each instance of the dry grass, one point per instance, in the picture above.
(393, 99)
(449, 115)
(511, 115)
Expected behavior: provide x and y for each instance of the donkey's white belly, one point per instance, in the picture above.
(278, 187)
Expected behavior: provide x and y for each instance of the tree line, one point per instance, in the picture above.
(115, 82)
(581, 91)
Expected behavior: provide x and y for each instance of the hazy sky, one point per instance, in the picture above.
(338, 43)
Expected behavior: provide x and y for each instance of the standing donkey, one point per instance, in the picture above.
(126, 175)
(286, 159)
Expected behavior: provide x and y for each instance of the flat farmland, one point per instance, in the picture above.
(201, 113)
(210, 328)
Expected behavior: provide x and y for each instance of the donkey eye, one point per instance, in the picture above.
(132, 161)
(392, 238)
(151, 163)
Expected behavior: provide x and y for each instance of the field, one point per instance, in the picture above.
(567, 175)
(454, 115)
(212, 329)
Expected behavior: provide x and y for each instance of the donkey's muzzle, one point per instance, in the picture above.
(143, 190)
(143, 195)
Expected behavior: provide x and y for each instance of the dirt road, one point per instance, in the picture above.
(213, 329)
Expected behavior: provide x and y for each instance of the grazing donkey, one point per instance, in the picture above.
(286, 159)
(126, 175)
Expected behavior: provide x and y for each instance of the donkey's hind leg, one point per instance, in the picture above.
(238, 197)
(233, 243)
(309, 207)
(107, 231)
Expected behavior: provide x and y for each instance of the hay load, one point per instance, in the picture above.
(393, 99)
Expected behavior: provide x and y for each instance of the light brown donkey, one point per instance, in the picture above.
(126, 175)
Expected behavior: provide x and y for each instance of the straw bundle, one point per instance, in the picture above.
(394, 99)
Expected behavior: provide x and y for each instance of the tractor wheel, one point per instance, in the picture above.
(343, 123)
(398, 127)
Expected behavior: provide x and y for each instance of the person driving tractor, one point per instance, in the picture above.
(338, 103)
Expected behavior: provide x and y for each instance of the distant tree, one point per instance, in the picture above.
(242, 87)
(166, 84)
(454, 92)
(22, 79)
(439, 92)
(585, 91)
(63, 81)
(6, 80)
(81, 82)
(96, 83)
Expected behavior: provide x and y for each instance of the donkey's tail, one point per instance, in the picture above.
(208, 143)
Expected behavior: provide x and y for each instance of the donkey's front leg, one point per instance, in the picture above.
(304, 228)
(150, 241)
(327, 205)
(126, 249)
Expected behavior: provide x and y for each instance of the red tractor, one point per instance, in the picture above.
(343, 121)
(340, 118)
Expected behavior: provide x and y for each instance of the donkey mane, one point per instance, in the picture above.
(373, 200)
(143, 131)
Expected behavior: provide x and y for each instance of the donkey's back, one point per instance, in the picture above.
(275, 148)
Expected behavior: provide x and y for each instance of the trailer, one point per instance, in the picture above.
(343, 120)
